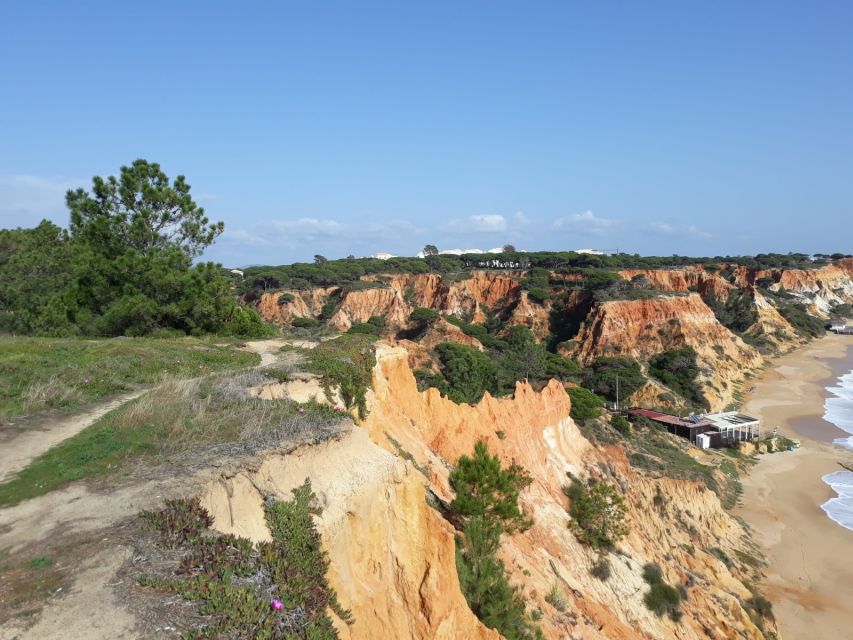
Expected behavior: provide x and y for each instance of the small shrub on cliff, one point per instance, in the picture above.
(601, 377)
(486, 505)
(277, 591)
(486, 490)
(598, 513)
(346, 362)
(601, 569)
(661, 598)
(621, 424)
(678, 370)
(304, 323)
(364, 328)
(585, 404)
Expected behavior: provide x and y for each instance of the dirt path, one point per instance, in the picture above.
(17, 453)
(22, 449)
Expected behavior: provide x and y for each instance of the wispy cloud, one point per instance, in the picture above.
(482, 223)
(669, 229)
(585, 223)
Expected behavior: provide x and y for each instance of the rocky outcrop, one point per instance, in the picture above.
(281, 307)
(641, 329)
(682, 280)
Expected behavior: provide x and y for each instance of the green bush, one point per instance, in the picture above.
(621, 424)
(585, 404)
(598, 513)
(538, 295)
(424, 315)
(238, 585)
(601, 569)
(468, 372)
(304, 323)
(365, 328)
(601, 377)
(661, 598)
(678, 370)
(486, 505)
(485, 490)
(346, 362)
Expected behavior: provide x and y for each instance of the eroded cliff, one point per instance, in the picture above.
(641, 329)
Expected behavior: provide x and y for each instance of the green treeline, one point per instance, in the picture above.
(124, 265)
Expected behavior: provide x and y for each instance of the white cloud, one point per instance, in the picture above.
(307, 227)
(663, 227)
(696, 232)
(482, 223)
(585, 223)
(521, 219)
(668, 229)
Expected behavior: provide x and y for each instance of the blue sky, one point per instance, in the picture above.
(358, 127)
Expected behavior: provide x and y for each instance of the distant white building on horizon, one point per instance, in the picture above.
(592, 252)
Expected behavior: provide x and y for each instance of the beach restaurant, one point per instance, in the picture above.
(708, 431)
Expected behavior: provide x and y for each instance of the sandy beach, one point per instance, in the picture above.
(810, 573)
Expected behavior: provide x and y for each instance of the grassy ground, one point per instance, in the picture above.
(176, 417)
(41, 374)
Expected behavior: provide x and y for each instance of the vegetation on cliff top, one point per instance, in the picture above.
(277, 590)
(39, 374)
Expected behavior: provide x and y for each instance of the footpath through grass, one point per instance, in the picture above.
(172, 420)
(43, 374)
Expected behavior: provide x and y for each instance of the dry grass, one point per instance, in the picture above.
(49, 393)
(178, 421)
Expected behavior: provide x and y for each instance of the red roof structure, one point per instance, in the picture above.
(666, 418)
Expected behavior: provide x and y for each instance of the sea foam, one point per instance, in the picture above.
(838, 409)
(840, 508)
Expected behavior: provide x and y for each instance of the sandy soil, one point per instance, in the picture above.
(810, 576)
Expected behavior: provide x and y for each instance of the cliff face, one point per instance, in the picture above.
(683, 280)
(641, 329)
(676, 524)
(395, 297)
(392, 556)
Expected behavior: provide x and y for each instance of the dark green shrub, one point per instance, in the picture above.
(601, 377)
(423, 315)
(601, 569)
(304, 323)
(365, 328)
(661, 598)
(346, 362)
(678, 370)
(468, 372)
(585, 404)
(486, 505)
(486, 490)
(621, 424)
(538, 295)
(285, 298)
(598, 513)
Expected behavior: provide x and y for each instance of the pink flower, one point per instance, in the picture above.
(276, 604)
(338, 407)
(301, 410)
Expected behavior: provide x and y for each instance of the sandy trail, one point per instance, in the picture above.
(17, 453)
(809, 579)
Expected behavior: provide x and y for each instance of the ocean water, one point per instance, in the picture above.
(838, 409)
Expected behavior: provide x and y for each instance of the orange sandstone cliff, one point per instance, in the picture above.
(392, 555)
(641, 329)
